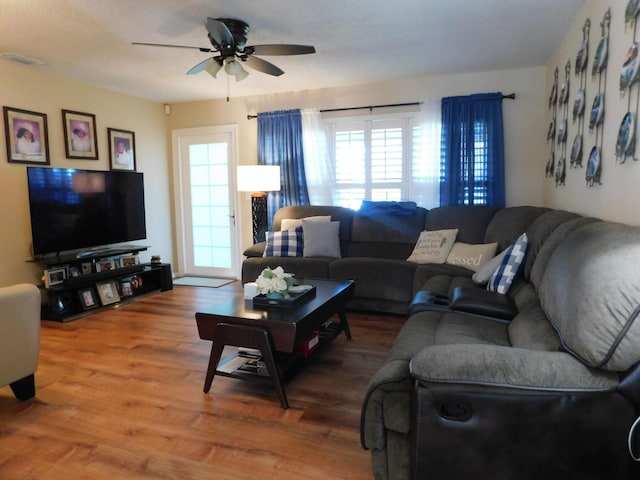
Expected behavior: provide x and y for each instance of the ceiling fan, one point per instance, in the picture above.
(228, 36)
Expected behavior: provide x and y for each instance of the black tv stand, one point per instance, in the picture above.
(80, 283)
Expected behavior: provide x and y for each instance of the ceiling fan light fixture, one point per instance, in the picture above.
(214, 68)
(233, 67)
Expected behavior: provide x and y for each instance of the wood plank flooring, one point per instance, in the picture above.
(119, 396)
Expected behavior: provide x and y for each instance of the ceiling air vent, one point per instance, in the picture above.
(16, 57)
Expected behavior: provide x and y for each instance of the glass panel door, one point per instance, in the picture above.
(206, 216)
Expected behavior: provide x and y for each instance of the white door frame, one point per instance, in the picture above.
(178, 178)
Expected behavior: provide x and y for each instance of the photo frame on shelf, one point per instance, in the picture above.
(106, 265)
(26, 135)
(86, 268)
(122, 149)
(129, 260)
(55, 276)
(88, 298)
(108, 292)
(126, 288)
(80, 141)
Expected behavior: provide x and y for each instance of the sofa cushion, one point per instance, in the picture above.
(591, 293)
(387, 226)
(509, 223)
(538, 233)
(433, 246)
(543, 256)
(377, 278)
(471, 256)
(287, 243)
(506, 273)
(321, 239)
(470, 220)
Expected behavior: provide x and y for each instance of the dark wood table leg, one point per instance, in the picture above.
(214, 358)
(344, 323)
(245, 336)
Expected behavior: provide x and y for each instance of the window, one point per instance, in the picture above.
(381, 158)
(475, 177)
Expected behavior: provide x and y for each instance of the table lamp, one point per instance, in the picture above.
(258, 179)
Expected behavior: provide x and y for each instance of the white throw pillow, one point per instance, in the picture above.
(321, 239)
(484, 273)
(471, 257)
(291, 223)
(433, 246)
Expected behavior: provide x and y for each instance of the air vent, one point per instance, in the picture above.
(16, 57)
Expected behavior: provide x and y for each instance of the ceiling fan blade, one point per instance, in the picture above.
(263, 66)
(201, 66)
(282, 49)
(220, 33)
(202, 49)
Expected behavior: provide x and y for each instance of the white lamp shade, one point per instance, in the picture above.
(213, 69)
(234, 68)
(258, 178)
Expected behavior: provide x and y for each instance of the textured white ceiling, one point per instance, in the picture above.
(357, 41)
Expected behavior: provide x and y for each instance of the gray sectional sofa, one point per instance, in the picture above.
(551, 391)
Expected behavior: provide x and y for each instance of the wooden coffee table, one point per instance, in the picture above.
(274, 330)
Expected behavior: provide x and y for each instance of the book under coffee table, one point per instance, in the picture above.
(275, 331)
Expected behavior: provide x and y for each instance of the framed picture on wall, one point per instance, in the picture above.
(122, 149)
(80, 140)
(26, 136)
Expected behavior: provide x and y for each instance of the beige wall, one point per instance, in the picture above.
(524, 119)
(27, 88)
(615, 198)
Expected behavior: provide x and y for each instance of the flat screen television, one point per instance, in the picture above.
(84, 209)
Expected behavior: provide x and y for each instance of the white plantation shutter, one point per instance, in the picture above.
(383, 158)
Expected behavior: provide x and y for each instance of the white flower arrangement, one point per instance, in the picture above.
(274, 281)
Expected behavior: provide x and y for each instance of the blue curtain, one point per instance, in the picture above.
(472, 151)
(280, 143)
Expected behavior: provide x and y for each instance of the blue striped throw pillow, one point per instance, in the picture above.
(508, 269)
(286, 243)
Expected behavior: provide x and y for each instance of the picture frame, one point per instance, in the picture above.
(106, 265)
(26, 135)
(88, 298)
(80, 141)
(55, 276)
(126, 288)
(122, 149)
(108, 292)
(129, 260)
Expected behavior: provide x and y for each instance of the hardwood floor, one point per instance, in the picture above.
(119, 396)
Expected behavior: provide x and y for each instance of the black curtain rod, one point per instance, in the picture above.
(511, 96)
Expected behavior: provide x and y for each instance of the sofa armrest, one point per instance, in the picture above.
(393, 377)
(498, 368)
(255, 250)
(483, 302)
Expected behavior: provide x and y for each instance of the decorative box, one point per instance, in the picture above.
(306, 347)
